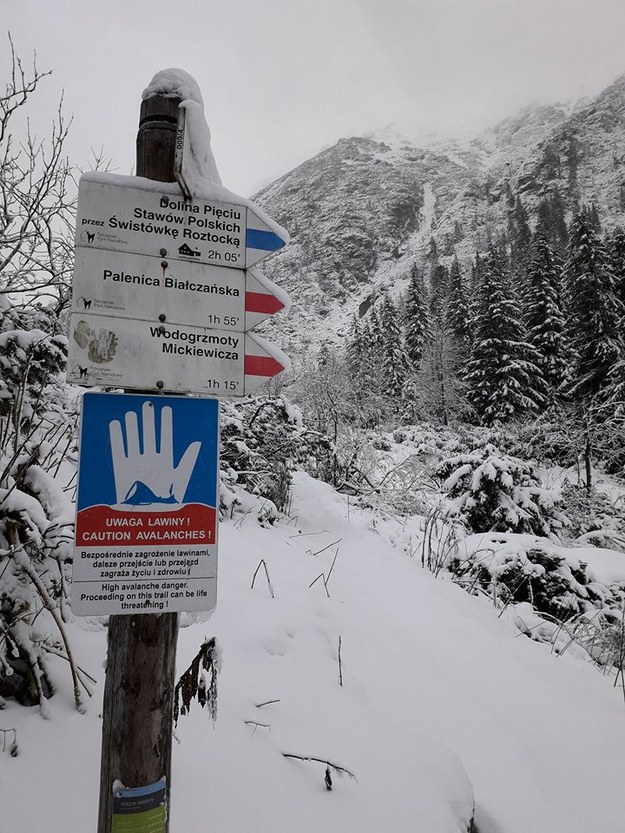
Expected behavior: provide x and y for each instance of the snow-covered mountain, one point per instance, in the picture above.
(362, 211)
(357, 214)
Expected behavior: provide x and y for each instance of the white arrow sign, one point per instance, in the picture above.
(142, 355)
(262, 299)
(155, 288)
(115, 214)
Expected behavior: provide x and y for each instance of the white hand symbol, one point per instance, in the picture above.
(144, 478)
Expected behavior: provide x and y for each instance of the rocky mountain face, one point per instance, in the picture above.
(361, 212)
(584, 157)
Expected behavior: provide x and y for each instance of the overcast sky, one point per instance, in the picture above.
(281, 79)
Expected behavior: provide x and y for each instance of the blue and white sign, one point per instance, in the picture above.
(118, 214)
(146, 508)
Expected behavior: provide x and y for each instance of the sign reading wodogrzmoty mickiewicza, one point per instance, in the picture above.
(146, 507)
(115, 214)
(139, 355)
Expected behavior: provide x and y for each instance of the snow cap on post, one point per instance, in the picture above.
(174, 83)
(194, 164)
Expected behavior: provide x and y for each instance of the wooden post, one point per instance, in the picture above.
(141, 656)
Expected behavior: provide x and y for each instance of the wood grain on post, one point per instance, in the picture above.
(141, 654)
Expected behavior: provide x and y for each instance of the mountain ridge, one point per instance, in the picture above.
(363, 211)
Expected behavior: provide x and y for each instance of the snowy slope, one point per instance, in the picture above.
(441, 699)
(363, 211)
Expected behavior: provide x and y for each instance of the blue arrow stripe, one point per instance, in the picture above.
(265, 240)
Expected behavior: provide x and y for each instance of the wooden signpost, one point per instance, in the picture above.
(138, 703)
(163, 298)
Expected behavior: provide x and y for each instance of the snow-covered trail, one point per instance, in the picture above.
(439, 697)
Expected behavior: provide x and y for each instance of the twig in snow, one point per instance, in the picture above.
(340, 663)
(325, 584)
(340, 770)
(326, 548)
(325, 579)
(332, 565)
(257, 725)
(13, 745)
(80, 671)
(301, 534)
(269, 585)
(239, 523)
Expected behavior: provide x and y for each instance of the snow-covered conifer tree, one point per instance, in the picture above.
(520, 238)
(544, 316)
(364, 383)
(457, 309)
(417, 325)
(503, 378)
(375, 331)
(355, 346)
(439, 278)
(616, 253)
(595, 311)
(493, 491)
(394, 361)
(442, 387)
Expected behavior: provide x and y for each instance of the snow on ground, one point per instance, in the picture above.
(440, 697)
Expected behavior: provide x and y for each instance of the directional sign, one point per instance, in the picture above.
(154, 288)
(140, 355)
(146, 507)
(119, 217)
(262, 299)
(262, 361)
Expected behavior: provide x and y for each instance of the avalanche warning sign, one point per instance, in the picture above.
(146, 508)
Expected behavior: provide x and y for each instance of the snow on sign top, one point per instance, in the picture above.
(176, 83)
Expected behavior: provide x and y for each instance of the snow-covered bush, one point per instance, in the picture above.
(514, 569)
(594, 518)
(549, 438)
(565, 436)
(35, 513)
(433, 441)
(488, 491)
(262, 440)
(536, 575)
(596, 635)
(548, 593)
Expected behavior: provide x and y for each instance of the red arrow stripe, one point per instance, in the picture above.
(262, 366)
(262, 302)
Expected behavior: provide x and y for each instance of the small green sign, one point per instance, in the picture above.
(140, 809)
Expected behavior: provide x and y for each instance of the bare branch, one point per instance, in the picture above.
(269, 585)
(37, 193)
(341, 770)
